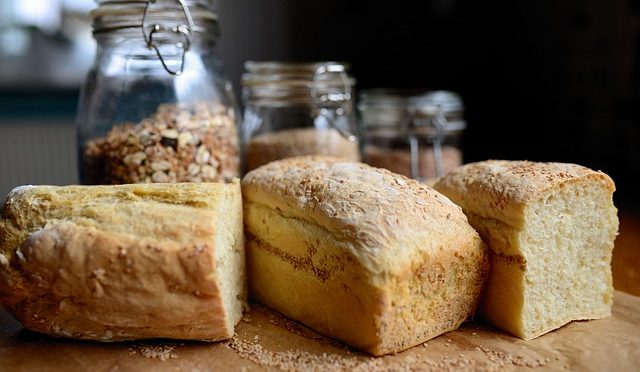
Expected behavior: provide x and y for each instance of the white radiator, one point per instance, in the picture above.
(37, 153)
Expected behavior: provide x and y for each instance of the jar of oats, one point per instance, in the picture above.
(294, 109)
(412, 133)
(155, 106)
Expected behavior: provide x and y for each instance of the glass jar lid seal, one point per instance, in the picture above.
(180, 19)
(392, 112)
(446, 101)
(112, 15)
(290, 84)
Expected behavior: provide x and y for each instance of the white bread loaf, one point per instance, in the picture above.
(372, 258)
(550, 227)
(126, 262)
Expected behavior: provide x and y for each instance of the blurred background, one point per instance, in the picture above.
(544, 80)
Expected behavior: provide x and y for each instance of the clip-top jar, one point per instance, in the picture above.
(294, 109)
(155, 106)
(417, 135)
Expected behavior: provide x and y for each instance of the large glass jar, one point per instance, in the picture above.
(155, 107)
(294, 109)
(411, 133)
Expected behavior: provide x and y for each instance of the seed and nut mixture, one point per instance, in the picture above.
(179, 143)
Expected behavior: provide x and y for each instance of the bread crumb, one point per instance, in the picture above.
(355, 361)
(160, 352)
(296, 360)
(502, 359)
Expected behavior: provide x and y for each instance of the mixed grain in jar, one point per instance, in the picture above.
(155, 107)
(294, 109)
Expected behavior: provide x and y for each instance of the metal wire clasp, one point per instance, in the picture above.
(438, 122)
(340, 100)
(183, 30)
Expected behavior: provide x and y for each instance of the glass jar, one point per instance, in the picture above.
(294, 109)
(155, 106)
(417, 135)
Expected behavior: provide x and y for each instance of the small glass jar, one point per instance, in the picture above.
(155, 106)
(295, 109)
(417, 135)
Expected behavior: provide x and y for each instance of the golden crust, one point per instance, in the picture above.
(373, 258)
(500, 189)
(376, 211)
(118, 262)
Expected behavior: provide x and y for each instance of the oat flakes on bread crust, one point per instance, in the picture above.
(506, 186)
(359, 253)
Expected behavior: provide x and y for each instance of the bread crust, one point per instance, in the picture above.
(402, 257)
(500, 189)
(125, 262)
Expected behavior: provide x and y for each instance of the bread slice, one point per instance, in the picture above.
(550, 228)
(372, 258)
(124, 262)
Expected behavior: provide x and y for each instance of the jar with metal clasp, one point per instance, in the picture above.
(294, 109)
(412, 133)
(155, 107)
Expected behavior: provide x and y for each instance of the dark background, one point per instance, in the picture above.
(541, 80)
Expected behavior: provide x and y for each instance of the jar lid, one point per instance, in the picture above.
(113, 15)
(393, 112)
(160, 22)
(446, 101)
(386, 107)
(291, 84)
(205, 3)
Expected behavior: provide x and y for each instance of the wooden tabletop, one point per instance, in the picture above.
(626, 255)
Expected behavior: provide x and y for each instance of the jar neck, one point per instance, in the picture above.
(314, 85)
(133, 40)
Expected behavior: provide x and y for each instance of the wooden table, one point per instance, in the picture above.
(267, 341)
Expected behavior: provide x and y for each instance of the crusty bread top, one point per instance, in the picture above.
(118, 209)
(500, 189)
(384, 219)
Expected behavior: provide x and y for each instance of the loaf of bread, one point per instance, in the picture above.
(550, 228)
(367, 256)
(126, 262)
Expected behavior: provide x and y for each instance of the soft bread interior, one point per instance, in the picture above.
(556, 267)
(230, 257)
(567, 241)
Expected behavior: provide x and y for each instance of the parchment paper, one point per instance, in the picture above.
(267, 341)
